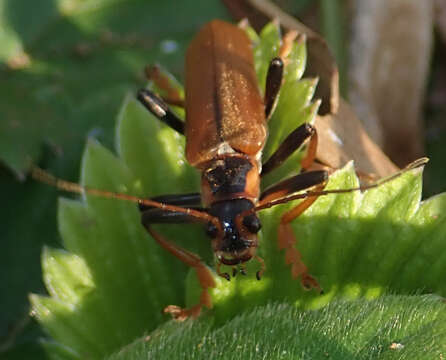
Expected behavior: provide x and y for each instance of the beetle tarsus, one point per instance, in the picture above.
(181, 314)
(310, 283)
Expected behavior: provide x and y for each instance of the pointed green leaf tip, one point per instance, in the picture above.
(111, 284)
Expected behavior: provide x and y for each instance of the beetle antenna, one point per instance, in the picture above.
(68, 186)
(414, 165)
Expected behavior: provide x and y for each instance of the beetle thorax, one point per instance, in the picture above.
(230, 177)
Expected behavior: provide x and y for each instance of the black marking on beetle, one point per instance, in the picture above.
(228, 176)
(227, 211)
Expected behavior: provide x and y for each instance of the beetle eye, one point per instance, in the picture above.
(252, 223)
(211, 230)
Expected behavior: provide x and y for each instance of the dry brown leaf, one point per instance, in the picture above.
(440, 18)
(390, 58)
(342, 138)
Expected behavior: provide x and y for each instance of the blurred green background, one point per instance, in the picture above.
(65, 67)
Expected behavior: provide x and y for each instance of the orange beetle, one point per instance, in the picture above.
(225, 131)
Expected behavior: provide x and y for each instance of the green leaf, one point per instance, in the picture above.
(66, 276)
(356, 244)
(265, 49)
(133, 278)
(39, 350)
(84, 56)
(393, 327)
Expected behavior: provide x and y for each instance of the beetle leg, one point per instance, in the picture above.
(151, 216)
(162, 81)
(159, 216)
(275, 73)
(159, 108)
(204, 275)
(292, 185)
(286, 239)
(273, 83)
(189, 200)
(291, 143)
(287, 43)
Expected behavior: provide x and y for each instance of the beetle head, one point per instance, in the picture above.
(236, 241)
